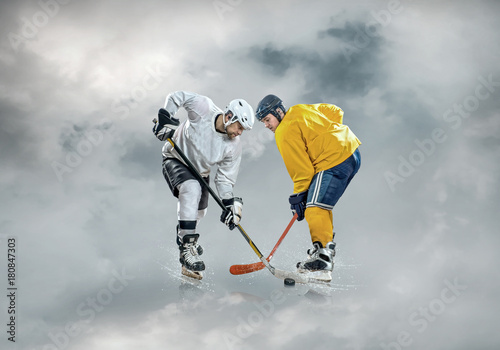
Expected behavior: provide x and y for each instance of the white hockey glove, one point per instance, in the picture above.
(231, 216)
(165, 125)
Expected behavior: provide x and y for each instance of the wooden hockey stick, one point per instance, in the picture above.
(247, 268)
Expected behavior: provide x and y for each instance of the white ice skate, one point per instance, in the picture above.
(319, 263)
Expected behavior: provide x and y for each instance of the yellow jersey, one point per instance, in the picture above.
(312, 138)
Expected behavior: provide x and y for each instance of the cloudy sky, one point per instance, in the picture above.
(93, 220)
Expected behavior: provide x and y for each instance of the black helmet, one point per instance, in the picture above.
(269, 104)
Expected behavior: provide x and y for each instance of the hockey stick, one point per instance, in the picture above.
(299, 278)
(247, 268)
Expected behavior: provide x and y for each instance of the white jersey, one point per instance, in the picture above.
(201, 143)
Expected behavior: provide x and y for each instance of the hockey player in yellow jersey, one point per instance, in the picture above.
(321, 155)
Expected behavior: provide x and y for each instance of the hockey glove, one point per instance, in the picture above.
(231, 216)
(298, 204)
(165, 125)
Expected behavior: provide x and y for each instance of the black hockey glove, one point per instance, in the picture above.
(231, 216)
(298, 204)
(165, 125)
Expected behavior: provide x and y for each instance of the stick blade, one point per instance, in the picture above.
(247, 268)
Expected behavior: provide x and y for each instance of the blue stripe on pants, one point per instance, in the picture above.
(328, 186)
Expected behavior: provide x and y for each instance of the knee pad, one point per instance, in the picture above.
(201, 214)
(189, 197)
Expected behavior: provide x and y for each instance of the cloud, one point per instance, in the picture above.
(83, 90)
(334, 73)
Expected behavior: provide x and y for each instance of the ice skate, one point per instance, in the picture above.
(198, 247)
(192, 265)
(319, 263)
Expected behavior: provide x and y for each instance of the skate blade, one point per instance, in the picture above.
(323, 276)
(193, 274)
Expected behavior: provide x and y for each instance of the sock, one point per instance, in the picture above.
(320, 224)
(186, 227)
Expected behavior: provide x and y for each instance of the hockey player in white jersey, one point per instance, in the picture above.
(208, 137)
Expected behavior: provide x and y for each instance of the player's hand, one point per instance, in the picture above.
(298, 204)
(231, 216)
(165, 125)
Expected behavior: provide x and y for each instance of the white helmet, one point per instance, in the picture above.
(242, 112)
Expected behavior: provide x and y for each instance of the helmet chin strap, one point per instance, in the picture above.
(226, 124)
(277, 114)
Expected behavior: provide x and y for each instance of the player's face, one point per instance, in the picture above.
(271, 122)
(234, 130)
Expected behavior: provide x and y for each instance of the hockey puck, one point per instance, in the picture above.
(290, 282)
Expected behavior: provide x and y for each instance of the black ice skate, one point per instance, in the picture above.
(192, 265)
(198, 247)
